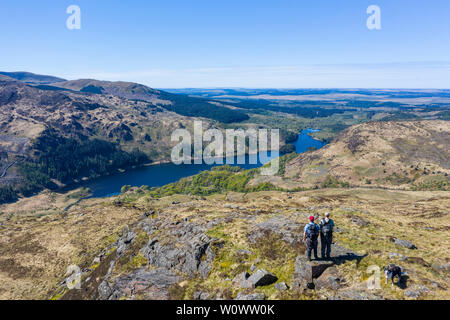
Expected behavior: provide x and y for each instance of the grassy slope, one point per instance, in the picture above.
(77, 235)
(401, 155)
(37, 250)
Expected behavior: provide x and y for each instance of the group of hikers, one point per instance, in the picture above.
(311, 234)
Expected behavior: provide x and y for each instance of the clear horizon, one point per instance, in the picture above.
(234, 44)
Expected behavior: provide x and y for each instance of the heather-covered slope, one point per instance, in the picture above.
(397, 155)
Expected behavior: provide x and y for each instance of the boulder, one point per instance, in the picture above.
(104, 290)
(262, 278)
(282, 286)
(329, 279)
(253, 296)
(413, 294)
(241, 280)
(306, 271)
(152, 284)
(359, 221)
(394, 255)
(404, 243)
(200, 295)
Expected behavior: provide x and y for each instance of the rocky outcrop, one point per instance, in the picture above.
(313, 275)
(190, 251)
(152, 284)
(329, 279)
(258, 279)
(262, 278)
(306, 271)
(287, 229)
(240, 280)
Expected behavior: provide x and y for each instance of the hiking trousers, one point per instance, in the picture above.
(311, 245)
(325, 243)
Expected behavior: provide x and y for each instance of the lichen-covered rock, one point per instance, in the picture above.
(200, 295)
(282, 286)
(287, 229)
(404, 243)
(252, 296)
(241, 280)
(306, 271)
(394, 255)
(359, 221)
(152, 284)
(104, 290)
(262, 278)
(329, 279)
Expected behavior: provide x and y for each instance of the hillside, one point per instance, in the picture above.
(181, 104)
(202, 237)
(397, 155)
(32, 78)
(53, 134)
(188, 247)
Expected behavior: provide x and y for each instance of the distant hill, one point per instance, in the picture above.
(59, 128)
(32, 78)
(178, 103)
(395, 155)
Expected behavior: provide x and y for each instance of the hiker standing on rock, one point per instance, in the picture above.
(310, 235)
(326, 235)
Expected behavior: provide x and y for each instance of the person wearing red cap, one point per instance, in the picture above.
(310, 235)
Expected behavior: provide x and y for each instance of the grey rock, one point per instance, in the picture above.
(287, 229)
(253, 296)
(329, 279)
(355, 294)
(190, 253)
(148, 214)
(104, 290)
(404, 243)
(245, 252)
(152, 284)
(241, 280)
(393, 255)
(306, 271)
(262, 278)
(282, 286)
(200, 295)
(414, 294)
(359, 221)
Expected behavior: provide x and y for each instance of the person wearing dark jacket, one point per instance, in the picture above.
(326, 235)
(310, 235)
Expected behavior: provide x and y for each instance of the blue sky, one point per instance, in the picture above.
(245, 43)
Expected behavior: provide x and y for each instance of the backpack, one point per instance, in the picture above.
(312, 232)
(326, 228)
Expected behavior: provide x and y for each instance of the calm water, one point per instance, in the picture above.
(304, 141)
(159, 175)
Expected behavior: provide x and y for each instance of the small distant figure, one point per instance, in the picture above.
(310, 235)
(326, 235)
(391, 271)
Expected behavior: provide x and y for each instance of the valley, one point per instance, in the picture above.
(199, 237)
